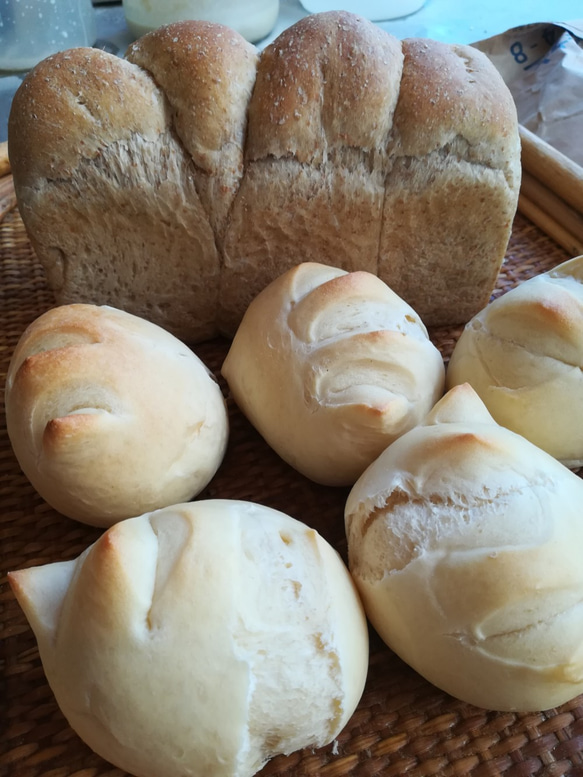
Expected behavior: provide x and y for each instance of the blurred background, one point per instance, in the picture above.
(32, 29)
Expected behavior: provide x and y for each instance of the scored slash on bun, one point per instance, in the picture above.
(179, 182)
(110, 416)
(201, 639)
(330, 367)
(465, 542)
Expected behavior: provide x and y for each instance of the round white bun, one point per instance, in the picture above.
(465, 542)
(201, 639)
(110, 416)
(330, 367)
(523, 354)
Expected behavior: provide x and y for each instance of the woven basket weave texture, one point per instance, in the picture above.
(403, 725)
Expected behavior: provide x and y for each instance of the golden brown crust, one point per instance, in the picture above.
(331, 81)
(319, 125)
(207, 72)
(448, 91)
(199, 165)
(72, 105)
(108, 195)
(451, 192)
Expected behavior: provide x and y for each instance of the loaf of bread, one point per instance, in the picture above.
(110, 416)
(178, 182)
(465, 541)
(330, 367)
(200, 640)
(523, 354)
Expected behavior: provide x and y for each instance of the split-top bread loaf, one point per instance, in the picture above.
(180, 181)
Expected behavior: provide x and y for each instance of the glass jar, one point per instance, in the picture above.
(375, 10)
(253, 19)
(31, 30)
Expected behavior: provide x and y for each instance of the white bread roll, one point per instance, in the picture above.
(523, 354)
(178, 182)
(201, 639)
(110, 416)
(330, 367)
(465, 542)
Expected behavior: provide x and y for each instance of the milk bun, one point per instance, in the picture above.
(200, 639)
(465, 542)
(331, 367)
(110, 416)
(523, 354)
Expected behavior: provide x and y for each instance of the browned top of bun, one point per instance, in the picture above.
(330, 81)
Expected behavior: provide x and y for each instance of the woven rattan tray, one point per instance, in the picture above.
(403, 725)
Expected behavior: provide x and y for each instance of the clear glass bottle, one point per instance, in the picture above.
(31, 30)
(253, 19)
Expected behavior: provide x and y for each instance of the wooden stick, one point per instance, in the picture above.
(552, 168)
(4, 161)
(7, 195)
(554, 206)
(552, 228)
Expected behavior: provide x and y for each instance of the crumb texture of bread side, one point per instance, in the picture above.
(207, 72)
(452, 190)
(319, 122)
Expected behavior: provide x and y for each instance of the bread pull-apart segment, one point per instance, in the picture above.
(202, 639)
(207, 72)
(453, 184)
(108, 193)
(523, 355)
(320, 119)
(110, 416)
(330, 367)
(465, 542)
